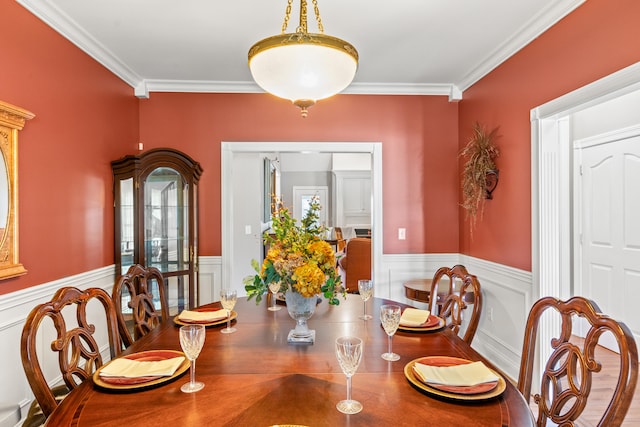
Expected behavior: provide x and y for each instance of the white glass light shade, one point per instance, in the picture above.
(303, 67)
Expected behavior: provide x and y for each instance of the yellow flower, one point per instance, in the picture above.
(322, 253)
(308, 279)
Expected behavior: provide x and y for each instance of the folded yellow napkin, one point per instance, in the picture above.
(413, 317)
(202, 316)
(123, 367)
(459, 375)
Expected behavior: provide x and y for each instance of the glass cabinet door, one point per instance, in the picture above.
(156, 219)
(166, 231)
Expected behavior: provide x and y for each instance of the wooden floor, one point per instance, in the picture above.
(602, 387)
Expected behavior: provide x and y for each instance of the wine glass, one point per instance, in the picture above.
(191, 341)
(349, 354)
(365, 288)
(390, 318)
(228, 299)
(274, 287)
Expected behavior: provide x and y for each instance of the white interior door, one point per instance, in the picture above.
(610, 227)
(302, 196)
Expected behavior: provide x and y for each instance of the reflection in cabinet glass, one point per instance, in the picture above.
(156, 220)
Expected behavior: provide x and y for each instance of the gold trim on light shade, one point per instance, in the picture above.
(303, 67)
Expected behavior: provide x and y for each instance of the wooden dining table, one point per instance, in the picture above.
(254, 377)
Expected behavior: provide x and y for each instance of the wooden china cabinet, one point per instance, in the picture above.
(156, 219)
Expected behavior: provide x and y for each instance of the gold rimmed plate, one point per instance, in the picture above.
(471, 393)
(205, 324)
(433, 323)
(122, 383)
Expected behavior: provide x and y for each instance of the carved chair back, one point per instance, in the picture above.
(136, 296)
(75, 343)
(460, 298)
(569, 371)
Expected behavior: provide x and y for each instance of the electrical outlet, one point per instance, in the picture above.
(247, 229)
(402, 233)
(491, 314)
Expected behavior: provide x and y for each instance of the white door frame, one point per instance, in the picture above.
(374, 148)
(551, 169)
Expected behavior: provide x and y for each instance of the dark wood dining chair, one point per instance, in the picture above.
(457, 299)
(73, 343)
(568, 374)
(136, 296)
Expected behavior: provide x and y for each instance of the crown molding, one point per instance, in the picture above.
(146, 86)
(143, 89)
(68, 28)
(445, 89)
(537, 25)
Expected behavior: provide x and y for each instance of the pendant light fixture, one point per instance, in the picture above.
(303, 67)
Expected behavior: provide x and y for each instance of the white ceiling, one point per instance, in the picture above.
(431, 47)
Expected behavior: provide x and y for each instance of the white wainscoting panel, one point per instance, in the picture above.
(507, 294)
(210, 279)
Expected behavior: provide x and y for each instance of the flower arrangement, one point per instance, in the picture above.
(298, 259)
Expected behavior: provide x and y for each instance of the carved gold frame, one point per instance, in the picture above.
(12, 120)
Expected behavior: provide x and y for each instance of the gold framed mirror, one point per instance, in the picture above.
(12, 120)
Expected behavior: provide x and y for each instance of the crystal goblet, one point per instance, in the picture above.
(349, 354)
(390, 318)
(228, 298)
(274, 287)
(191, 341)
(365, 288)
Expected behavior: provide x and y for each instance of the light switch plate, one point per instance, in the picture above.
(402, 233)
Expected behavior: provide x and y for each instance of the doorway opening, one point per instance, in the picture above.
(551, 187)
(232, 275)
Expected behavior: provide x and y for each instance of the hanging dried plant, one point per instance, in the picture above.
(479, 153)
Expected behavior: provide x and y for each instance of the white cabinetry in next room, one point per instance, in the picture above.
(353, 199)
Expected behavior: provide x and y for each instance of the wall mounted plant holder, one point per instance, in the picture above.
(479, 172)
(491, 183)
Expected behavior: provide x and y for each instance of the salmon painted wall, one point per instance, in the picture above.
(85, 117)
(419, 147)
(597, 39)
